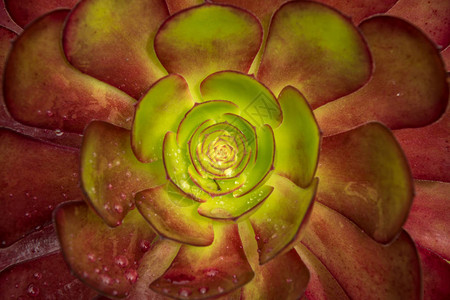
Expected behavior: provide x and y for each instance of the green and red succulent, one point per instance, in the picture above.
(226, 150)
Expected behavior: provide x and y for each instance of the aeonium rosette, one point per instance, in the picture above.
(205, 186)
(208, 166)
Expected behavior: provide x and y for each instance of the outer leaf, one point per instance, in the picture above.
(104, 258)
(159, 111)
(430, 16)
(426, 149)
(366, 177)
(284, 277)
(322, 285)
(36, 65)
(206, 39)
(315, 49)
(361, 266)
(436, 275)
(44, 278)
(408, 70)
(279, 222)
(6, 21)
(174, 216)
(111, 174)
(34, 177)
(204, 272)
(297, 139)
(257, 103)
(428, 220)
(116, 48)
(25, 11)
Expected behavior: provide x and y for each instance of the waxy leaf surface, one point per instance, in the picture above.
(36, 65)
(159, 111)
(315, 49)
(280, 221)
(208, 38)
(365, 177)
(382, 271)
(116, 48)
(34, 177)
(111, 174)
(284, 277)
(428, 220)
(297, 139)
(174, 216)
(202, 272)
(408, 70)
(105, 258)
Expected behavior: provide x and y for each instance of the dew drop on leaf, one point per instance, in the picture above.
(131, 275)
(121, 261)
(33, 290)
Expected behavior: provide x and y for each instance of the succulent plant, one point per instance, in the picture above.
(224, 150)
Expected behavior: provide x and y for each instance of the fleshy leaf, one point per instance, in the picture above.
(159, 111)
(257, 174)
(408, 70)
(234, 208)
(436, 275)
(425, 149)
(116, 48)
(34, 177)
(297, 139)
(47, 277)
(205, 272)
(25, 11)
(315, 49)
(284, 277)
(365, 176)
(360, 265)
(279, 222)
(321, 285)
(257, 103)
(105, 258)
(201, 112)
(430, 16)
(36, 65)
(111, 174)
(58, 137)
(206, 39)
(174, 216)
(6, 21)
(176, 164)
(428, 220)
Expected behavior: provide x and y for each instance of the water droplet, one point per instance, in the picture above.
(49, 113)
(184, 292)
(289, 280)
(118, 208)
(105, 268)
(110, 186)
(220, 289)
(144, 245)
(203, 290)
(121, 261)
(128, 173)
(37, 275)
(105, 279)
(58, 132)
(32, 290)
(91, 257)
(131, 275)
(97, 270)
(211, 273)
(123, 196)
(27, 214)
